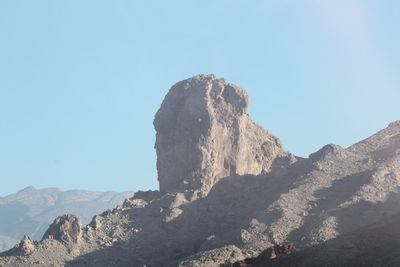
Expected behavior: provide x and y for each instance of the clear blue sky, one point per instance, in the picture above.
(80, 81)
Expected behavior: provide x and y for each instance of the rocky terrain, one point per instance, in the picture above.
(31, 211)
(229, 192)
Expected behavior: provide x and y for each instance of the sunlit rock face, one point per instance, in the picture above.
(25, 247)
(65, 229)
(204, 134)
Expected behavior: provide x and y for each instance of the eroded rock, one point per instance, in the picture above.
(204, 134)
(65, 229)
(24, 248)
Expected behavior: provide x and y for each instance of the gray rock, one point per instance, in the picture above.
(204, 134)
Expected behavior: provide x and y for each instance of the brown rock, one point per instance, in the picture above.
(65, 229)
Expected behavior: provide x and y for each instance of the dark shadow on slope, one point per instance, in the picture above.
(376, 244)
(327, 203)
(228, 208)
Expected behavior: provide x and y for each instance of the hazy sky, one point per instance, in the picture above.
(80, 81)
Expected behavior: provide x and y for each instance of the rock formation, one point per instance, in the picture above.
(65, 229)
(204, 133)
(30, 211)
(230, 192)
(24, 248)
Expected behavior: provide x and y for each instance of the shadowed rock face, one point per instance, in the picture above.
(204, 134)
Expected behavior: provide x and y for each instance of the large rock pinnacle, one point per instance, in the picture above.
(204, 134)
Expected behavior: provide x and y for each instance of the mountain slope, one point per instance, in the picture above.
(251, 196)
(374, 245)
(30, 211)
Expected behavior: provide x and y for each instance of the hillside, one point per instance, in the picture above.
(228, 191)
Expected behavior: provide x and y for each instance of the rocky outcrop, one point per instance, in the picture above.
(26, 246)
(204, 134)
(65, 229)
(30, 211)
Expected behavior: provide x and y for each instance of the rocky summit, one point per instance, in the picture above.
(231, 196)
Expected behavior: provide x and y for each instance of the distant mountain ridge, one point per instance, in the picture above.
(31, 210)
